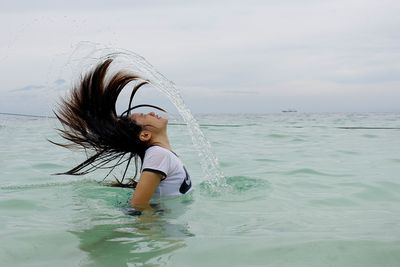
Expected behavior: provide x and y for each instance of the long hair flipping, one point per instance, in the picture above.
(90, 122)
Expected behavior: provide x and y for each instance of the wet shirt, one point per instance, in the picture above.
(175, 178)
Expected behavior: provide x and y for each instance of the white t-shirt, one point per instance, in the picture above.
(175, 179)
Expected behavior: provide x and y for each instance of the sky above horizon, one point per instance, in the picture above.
(224, 56)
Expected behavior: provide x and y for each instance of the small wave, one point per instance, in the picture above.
(378, 193)
(228, 125)
(47, 185)
(277, 136)
(46, 166)
(333, 202)
(217, 125)
(348, 152)
(308, 171)
(370, 136)
(18, 204)
(368, 128)
(299, 140)
(26, 115)
(237, 187)
(268, 160)
(332, 250)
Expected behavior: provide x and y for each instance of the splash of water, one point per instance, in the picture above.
(89, 55)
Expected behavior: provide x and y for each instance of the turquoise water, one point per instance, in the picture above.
(300, 190)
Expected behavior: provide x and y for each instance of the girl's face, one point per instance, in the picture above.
(151, 121)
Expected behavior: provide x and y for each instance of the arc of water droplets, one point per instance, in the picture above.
(208, 161)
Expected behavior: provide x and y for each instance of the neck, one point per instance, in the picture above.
(162, 141)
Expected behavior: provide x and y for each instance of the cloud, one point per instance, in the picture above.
(218, 50)
(241, 92)
(60, 82)
(57, 85)
(28, 88)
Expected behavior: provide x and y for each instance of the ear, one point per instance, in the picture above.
(145, 136)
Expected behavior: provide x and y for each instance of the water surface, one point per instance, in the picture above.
(301, 190)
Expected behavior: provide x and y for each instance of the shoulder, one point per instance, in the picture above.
(157, 150)
(157, 155)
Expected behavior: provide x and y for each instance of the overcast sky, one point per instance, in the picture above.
(225, 56)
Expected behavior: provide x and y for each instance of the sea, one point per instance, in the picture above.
(292, 189)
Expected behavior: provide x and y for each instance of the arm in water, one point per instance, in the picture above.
(145, 188)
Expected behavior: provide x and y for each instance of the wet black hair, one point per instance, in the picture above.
(90, 122)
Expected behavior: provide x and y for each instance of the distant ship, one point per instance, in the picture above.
(289, 110)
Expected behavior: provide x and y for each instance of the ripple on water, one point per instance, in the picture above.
(298, 140)
(277, 136)
(380, 191)
(333, 253)
(47, 166)
(395, 160)
(19, 204)
(268, 160)
(333, 202)
(370, 136)
(348, 152)
(238, 187)
(377, 193)
(310, 171)
(47, 185)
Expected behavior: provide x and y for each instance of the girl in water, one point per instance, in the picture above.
(90, 122)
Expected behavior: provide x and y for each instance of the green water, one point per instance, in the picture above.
(301, 190)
